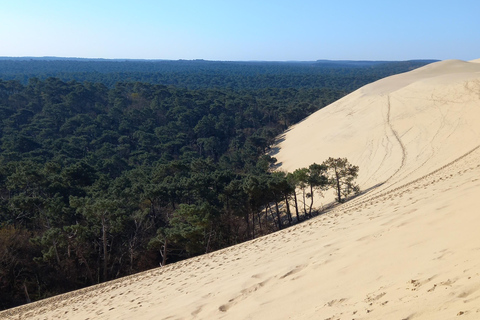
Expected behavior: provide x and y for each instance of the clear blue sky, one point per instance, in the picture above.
(275, 30)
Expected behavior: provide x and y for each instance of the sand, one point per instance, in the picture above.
(409, 248)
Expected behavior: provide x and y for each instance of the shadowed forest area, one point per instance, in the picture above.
(108, 168)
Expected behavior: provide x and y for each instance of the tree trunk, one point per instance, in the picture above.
(260, 221)
(153, 213)
(289, 214)
(163, 253)
(339, 190)
(207, 249)
(296, 205)
(81, 258)
(247, 221)
(311, 202)
(105, 250)
(253, 225)
(305, 214)
(89, 271)
(57, 257)
(27, 296)
(271, 212)
(278, 216)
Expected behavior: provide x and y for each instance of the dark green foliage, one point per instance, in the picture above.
(317, 180)
(99, 181)
(106, 178)
(341, 176)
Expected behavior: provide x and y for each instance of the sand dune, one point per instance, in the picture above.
(409, 248)
(397, 129)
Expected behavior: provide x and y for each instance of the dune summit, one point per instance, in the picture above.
(397, 129)
(408, 248)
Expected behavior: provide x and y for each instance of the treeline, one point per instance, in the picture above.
(98, 183)
(101, 179)
(344, 76)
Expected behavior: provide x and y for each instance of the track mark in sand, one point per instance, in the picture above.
(397, 137)
(244, 294)
(442, 125)
(335, 302)
(197, 311)
(386, 144)
(374, 299)
(441, 174)
(293, 271)
(415, 284)
(387, 123)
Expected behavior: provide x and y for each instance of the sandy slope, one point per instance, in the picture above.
(407, 249)
(397, 129)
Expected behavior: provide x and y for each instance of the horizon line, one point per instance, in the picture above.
(200, 59)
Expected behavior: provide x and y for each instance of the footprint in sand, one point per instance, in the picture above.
(293, 271)
(242, 296)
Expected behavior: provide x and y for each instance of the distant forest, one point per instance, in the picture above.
(108, 168)
(344, 76)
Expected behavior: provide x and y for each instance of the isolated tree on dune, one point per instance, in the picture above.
(274, 185)
(341, 176)
(293, 182)
(317, 180)
(311, 179)
(300, 177)
(281, 186)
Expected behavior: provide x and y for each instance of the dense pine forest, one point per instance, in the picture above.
(108, 168)
(199, 74)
